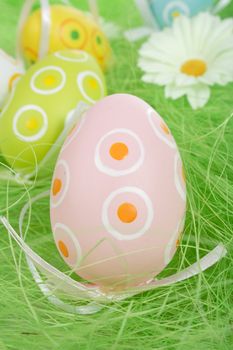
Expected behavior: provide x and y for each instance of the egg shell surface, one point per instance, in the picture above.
(70, 29)
(118, 194)
(10, 72)
(167, 10)
(42, 103)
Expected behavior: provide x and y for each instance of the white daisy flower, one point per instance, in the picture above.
(187, 58)
(110, 29)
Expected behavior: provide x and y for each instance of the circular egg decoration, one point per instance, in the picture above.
(69, 29)
(10, 72)
(167, 10)
(162, 13)
(118, 195)
(42, 104)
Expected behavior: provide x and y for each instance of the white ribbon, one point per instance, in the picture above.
(151, 26)
(93, 7)
(23, 17)
(57, 281)
(138, 33)
(45, 25)
(143, 6)
(45, 28)
(220, 6)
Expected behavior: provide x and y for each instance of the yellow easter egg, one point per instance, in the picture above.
(69, 29)
(42, 105)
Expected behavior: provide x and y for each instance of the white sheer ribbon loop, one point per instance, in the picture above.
(58, 282)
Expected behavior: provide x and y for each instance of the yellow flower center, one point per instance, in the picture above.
(194, 67)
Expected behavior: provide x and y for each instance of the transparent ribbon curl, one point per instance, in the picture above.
(56, 282)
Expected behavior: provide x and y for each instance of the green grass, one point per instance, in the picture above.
(196, 314)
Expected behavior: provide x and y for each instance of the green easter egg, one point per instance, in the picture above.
(41, 103)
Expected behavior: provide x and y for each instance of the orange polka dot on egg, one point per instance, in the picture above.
(127, 212)
(183, 174)
(63, 249)
(165, 128)
(119, 151)
(57, 185)
(13, 79)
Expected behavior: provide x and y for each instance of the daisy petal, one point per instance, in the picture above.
(198, 95)
(190, 56)
(174, 92)
(160, 79)
(153, 66)
(183, 79)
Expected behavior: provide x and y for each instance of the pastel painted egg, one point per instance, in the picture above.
(10, 72)
(162, 13)
(167, 10)
(118, 194)
(70, 29)
(42, 104)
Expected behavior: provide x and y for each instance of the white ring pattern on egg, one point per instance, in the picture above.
(176, 5)
(64, 230)
(152, 117)
(178, 180)
(150, 213)
(80, 79)
(114, 171)
(65, 184)
(39, 134)
(52, 90)
(83, 58)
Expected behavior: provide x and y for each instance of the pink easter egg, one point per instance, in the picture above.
(118, 194)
